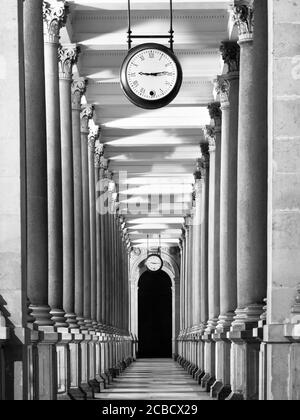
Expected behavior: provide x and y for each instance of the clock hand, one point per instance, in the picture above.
(162, 73)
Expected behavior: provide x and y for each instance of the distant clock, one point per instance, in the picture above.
(154, 262)
(151, 76)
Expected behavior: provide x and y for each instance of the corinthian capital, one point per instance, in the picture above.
(55, 15)
(99, 153)
(87, 113)
(243, 15)
(222, 90)
(94, 135)
(68, 56)
(78, 89)
(210, 137)
(204, 160)
(215, 113)
(230, 52)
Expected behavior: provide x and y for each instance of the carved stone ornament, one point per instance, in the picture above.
(55, 15)
(243, 15)
(78, 89)
(104, 163)
(222, 90)
(197, 173)
(93, 136)
(204, 161)
(87, 111)
(99, 152)
(215, 113)
(210, 136)
(68, 56)
(230, 52)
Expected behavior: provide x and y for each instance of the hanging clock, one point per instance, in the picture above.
(154, 262)
(151, 76)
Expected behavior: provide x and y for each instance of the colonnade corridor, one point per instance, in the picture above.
(154, 379)
(150, 199)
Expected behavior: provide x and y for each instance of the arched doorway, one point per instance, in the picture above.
(155, 315)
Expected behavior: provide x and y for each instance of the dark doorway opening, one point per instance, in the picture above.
(155, 315)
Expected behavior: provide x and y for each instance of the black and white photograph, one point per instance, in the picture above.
(149, 203)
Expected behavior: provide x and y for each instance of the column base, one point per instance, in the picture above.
(220, 392)
(207, 382)
(77, 394)
(245, 353)
(235, 396)
(88, 391)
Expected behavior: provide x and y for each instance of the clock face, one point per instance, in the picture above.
(151, 76)
(154, 263)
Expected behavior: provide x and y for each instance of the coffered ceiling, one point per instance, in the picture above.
(157, 149)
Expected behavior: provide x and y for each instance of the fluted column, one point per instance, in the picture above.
(204, 166)
(99, 150)
(252, 167)
(54, 18)
(197, 226)
(36, 167)
(103, 239)
(93, 136)
(67, 58)
(78, 89)
(86, 114)
(251, 199)
(227, 89)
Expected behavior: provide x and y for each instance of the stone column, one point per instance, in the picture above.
(99, 150)
(103, 242)
(210, 279)
(54, 18)
(187, 279)
(36, 157)
(182, 284)
(197, 225)
(93, 136)
(251, 201)
(86, 115)
(67, 58)
(78, 89)
(227, 89)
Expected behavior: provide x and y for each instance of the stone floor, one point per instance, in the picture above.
(154, 379)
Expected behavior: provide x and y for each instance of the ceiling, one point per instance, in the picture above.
(157, 149)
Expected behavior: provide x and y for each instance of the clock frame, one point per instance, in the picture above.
(142, 102)
(157, 256)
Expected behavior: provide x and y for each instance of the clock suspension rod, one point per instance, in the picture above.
(129, 26)
(170, 36)
(171, 27)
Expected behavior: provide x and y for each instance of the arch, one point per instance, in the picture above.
(171, 268)
(155, 315)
